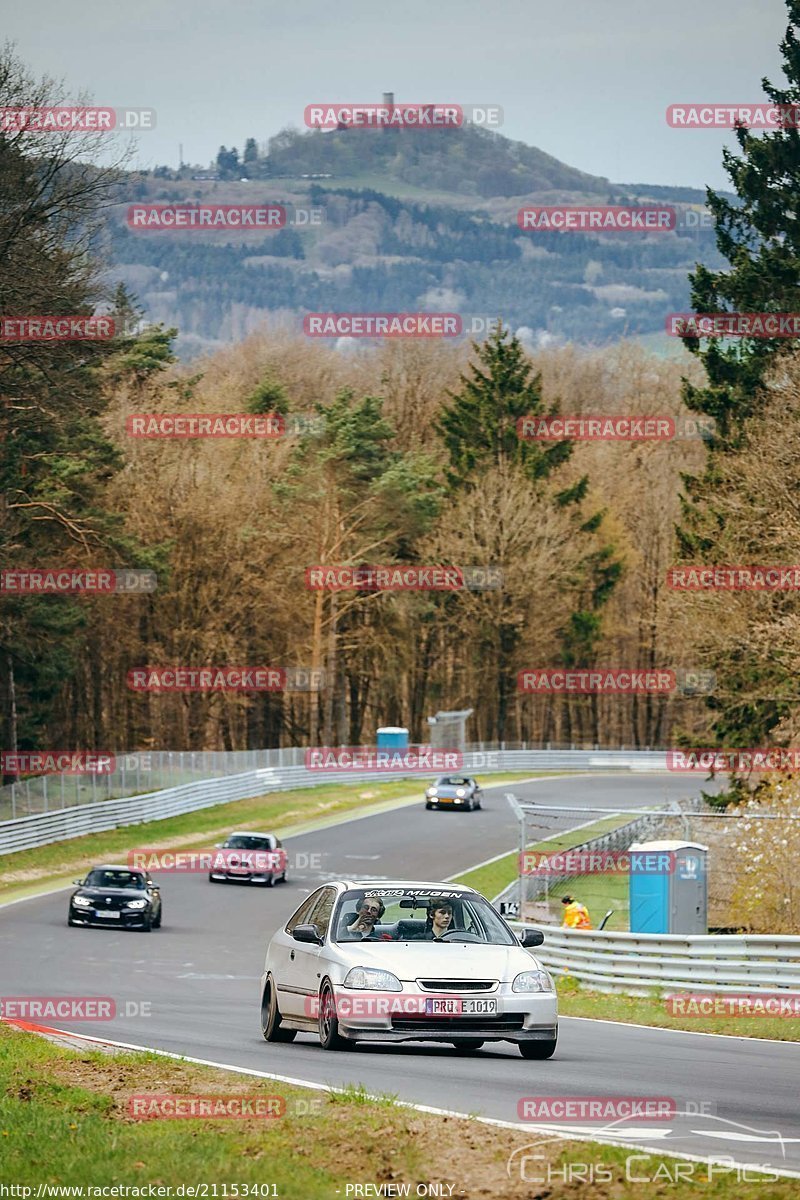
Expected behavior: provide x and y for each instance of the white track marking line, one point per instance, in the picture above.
(426, 1108)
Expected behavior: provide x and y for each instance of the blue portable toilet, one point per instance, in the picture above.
(668, 894)
(392, 737)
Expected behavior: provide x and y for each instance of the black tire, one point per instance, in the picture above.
(283, 877)
(467, 1046)
(157, 921)
(147, 926)
(543, 1049)
(72, 924)
(211, 879)
(270, 880)
(329, 1036)
(271, 1029)
(428, 807)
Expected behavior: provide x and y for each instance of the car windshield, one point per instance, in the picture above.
(453, 781)
(114, 879)
(240, 842)
(411, 916)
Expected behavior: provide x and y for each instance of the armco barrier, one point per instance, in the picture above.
(39, 829)
(637, 963)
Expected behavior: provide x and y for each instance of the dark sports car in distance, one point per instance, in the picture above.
(246, 857)
(116, 896)
(454, 791)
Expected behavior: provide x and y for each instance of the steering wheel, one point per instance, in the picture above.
(462, 936)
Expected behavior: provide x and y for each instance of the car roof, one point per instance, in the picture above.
(118, 867)
(249, 833)
(409, 885)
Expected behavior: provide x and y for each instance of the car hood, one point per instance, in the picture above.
(456, 960)
(92, 893)
(450, 790)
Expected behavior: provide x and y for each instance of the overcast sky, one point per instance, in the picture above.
(586, 80)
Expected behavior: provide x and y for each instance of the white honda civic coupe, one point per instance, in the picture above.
(404, 961)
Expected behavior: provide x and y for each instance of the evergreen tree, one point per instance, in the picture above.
(759, 235)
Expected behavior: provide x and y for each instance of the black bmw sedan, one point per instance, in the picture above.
(116, 896)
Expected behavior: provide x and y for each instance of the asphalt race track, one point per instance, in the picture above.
(200, 973)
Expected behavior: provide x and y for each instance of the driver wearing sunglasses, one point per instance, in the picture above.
(369, 911)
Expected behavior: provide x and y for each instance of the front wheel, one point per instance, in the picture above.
(543, 1049)
(329, 1036)
(157, 921)
(271, 1028)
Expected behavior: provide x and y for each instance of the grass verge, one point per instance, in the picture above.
(65, 1121)
(574, 1000)
(24, 872)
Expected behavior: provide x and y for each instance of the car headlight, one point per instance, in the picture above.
(533, 981)
(81, 902)
(460, 792)
(369, 977)
(136, 904)
(431, 792)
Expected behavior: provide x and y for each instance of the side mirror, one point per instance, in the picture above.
(78, 882)
(307, 933)
(531, 937)
(154, 887)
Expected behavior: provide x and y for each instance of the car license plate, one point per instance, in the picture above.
(436, 1006)
(112, 915)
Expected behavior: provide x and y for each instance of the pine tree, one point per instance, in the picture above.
(759, 235)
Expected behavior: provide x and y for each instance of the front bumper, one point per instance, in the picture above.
(128, 920)
(244, 876)
(520, 1017)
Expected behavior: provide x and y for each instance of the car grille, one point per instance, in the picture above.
(499, 1023)
(458, 985)
(109, 903)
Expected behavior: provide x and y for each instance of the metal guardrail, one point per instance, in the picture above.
(156, 770)
(637, 963)
(39, 829)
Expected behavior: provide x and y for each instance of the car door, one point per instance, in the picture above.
(305, 957)
(283, 961)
